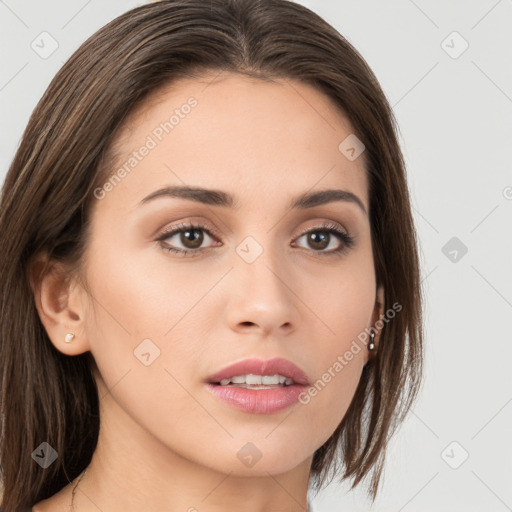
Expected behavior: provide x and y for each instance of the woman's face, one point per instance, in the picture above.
(262, 279)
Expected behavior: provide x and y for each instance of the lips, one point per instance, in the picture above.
(273, 366)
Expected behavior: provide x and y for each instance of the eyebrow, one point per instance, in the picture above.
(222, 199)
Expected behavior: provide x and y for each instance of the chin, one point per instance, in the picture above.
(260, 457)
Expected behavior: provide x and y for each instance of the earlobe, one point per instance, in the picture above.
(57, 300)
(373, 336)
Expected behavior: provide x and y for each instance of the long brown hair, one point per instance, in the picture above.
(47, 396)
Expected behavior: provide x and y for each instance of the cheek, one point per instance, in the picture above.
(136, 298)
(344, 306)
(140, 340)
(343, 302)
(339, 366)
(146, 320)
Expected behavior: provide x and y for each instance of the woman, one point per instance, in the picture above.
(210, 280)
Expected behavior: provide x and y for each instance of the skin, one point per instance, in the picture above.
(166, 443)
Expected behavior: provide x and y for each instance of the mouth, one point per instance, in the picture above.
(256, 386)
(260, 374)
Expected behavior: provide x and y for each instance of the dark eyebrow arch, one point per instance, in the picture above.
(317, 198)
(198, 194)
(223, 199)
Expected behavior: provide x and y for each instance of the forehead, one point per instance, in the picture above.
(214, 129)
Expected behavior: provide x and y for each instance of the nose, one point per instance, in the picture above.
(262, 297)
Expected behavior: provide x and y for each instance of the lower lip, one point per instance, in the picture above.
(258, 401)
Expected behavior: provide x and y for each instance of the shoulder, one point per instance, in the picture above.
(42, 506)
(55, 502)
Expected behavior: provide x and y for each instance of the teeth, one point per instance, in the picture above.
(257, 380)
(253, 379)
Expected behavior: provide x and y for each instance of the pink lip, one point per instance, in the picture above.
(259, 401)
(260, 367)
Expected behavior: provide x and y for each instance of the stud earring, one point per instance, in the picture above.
(371, 345)
(69, 337)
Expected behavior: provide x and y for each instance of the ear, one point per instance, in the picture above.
(60, 302)
(377, 314)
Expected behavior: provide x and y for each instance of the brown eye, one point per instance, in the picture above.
(189, 237)
(327, 237)
(319, 240)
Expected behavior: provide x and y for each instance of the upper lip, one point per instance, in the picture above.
(273, 366)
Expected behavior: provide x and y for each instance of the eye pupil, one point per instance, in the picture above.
(196, 239)
(319, 239)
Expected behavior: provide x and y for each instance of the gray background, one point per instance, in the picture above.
(454, 112)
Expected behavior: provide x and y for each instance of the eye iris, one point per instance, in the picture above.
(319, 239)
(195, 241)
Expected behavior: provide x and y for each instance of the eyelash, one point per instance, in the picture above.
(347, 240)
